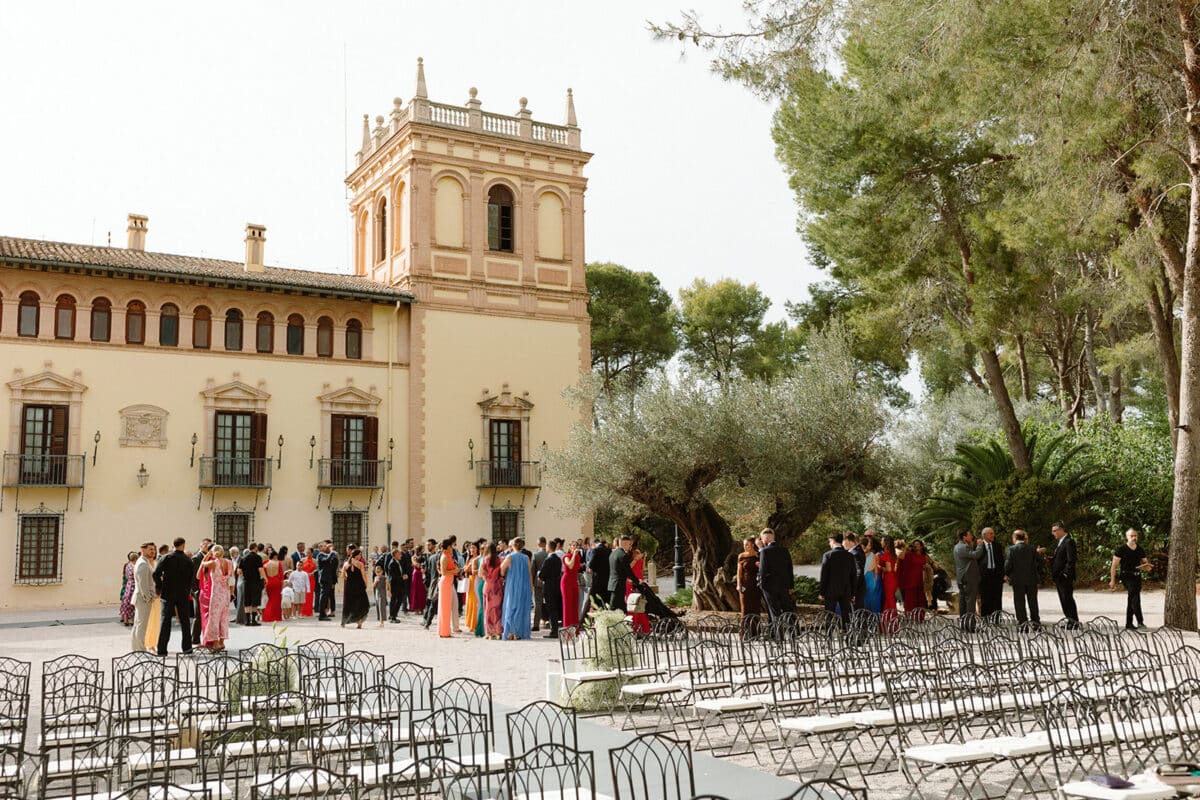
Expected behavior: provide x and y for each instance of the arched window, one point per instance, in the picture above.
(135, 322)
(101, 320)
(28, 314)
(353, 339)
(201, 328)
(381, 230)
(500, 219)
(325, 337)
(233, 330)
(398, 220)
(64, 317)
(295, 335)
(264, 334)
(168, 325)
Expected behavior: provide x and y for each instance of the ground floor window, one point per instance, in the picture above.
(349, 527)
(39, 548)
(505, 525)
(232, 529)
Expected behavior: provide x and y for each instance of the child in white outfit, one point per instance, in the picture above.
(287, 600)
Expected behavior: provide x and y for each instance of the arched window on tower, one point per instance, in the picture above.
(354, 339)
(101, 320)
(500, 219)
(201, 328)
(381, 230)
(135, 322)
(64, 317)
(29, 313)
(295, 335)
(264, 333)
(168, 325)
(325, 337)
(233, 330)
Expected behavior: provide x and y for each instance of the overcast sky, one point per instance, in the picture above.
(205, 117)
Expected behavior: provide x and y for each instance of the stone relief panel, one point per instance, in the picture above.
(143, 426)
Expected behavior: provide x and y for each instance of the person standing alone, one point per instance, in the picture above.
(1132, 561)
(1062, 570)
(173, 577)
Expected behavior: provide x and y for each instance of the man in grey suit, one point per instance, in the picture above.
(966, 567)
(1021, 571)
(143, 596)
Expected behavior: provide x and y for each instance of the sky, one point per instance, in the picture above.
(209, 116)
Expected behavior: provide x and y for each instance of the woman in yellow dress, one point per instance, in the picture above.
(471, 614)
(155, 620)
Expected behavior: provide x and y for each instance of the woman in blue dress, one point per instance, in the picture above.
(874, 599)
(518, 592)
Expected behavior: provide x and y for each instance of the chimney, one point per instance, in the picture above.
(137, 231)
(256, 237)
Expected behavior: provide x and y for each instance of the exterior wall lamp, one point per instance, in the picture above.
(96, 442)
(471, 452)
(312, 449)
(391, 447)
(143, 476)
(279, 456)
(192, 461)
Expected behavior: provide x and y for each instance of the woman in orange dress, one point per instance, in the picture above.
(310, 566)
(637, 565)
(471, 615)
(569, 584)
(446, 595)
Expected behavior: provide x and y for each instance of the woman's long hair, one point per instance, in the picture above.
(889, 546)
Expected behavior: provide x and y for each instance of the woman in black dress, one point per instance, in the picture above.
(355, 603)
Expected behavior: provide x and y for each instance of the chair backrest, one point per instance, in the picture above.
(1073, 727)
(577, 648)
(433, 777)
(827, 790)
(541, 722)
(210, 675)
(552, 770)
(351, 744)
(652, 767)
(307, 782)
(264, 651)
(415, 679)
(458, 733)
(383, 702)
(325, 652)
(364, 668)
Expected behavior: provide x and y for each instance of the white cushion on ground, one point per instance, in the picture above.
(648, 689)
(946, 754)
(1144, 790)
(141, 761)
(728, 705)
(817, 724)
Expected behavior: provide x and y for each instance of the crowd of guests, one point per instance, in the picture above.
(495, 590)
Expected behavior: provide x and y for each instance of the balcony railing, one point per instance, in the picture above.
(43, 470)
(234, 472)
(514, 474)
(350, 473)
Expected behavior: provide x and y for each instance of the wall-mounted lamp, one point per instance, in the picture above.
(192, 460)
(391, 447)
(279, 457)
(471, 454)
(96, 440)
(143, 476)
(312, 449)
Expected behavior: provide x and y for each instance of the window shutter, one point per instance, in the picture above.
(337, 445)
(58, 430)
(516, 442)
(258, 436)
(371, 449)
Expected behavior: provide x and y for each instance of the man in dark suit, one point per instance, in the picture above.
(327, 574)
(1062, 570)
(1021, 571)
(173, 578)
(850, 542)
(432, 573)
(619, 572)
(837, 578)
(397, 581)
(991, 574)
(551, 576)
(539, 597)
(775, 576)
(599, 567)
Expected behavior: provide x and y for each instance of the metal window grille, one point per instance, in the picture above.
(39, 549)
(349, 527)
(233, 529)
(506, 524)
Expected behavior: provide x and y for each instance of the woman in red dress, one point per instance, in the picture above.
(888, 563)
(569, 584)
(637, 560)
(912, 579)
(493, 592)
(310, 566)
(416, 594)
(273, 610)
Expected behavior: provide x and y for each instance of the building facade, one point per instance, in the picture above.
(153, 395)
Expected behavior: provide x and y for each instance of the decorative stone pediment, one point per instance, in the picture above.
(48, 388)
(349, 400)
(45, 385)
(505, 404)
(236, 395)
(143, 426)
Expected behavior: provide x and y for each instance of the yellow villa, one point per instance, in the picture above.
(154, 395)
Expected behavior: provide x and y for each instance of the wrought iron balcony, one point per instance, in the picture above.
(234, 472)
(350, 473)
(508, 474)
(43, 470)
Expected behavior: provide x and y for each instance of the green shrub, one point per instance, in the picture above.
(681, 599)
(806, 590)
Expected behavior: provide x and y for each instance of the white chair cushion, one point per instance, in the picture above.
(817, 724)
(216, 790)
(142, 761)
(728, 705)
(946, 754)
(1144, 789)
(373, 774)
(649, 689)
(590, 676)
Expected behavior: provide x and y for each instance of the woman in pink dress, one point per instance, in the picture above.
(639, 622)
(493, 592)
(447, 599)
(215, 571)
(569, 584)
